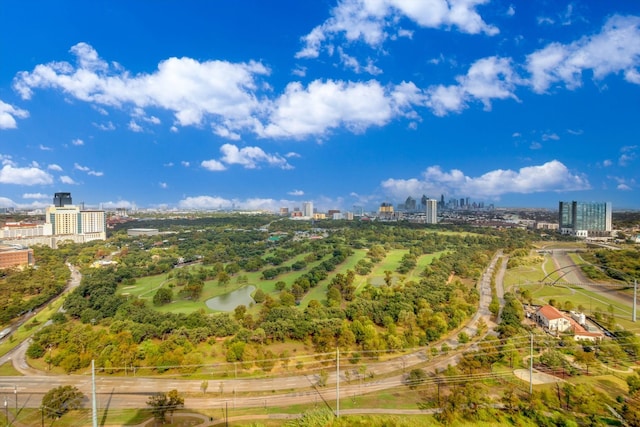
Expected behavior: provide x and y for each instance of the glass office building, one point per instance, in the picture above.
(585, 219)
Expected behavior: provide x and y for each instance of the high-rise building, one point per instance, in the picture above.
(585, 219)
(432, 211)
(307, 209)
(61, 199)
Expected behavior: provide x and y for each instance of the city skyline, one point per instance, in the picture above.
(259, 105)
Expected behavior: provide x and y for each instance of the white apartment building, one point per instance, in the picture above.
(432, 211)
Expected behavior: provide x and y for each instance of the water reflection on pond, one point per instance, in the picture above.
(228, 302)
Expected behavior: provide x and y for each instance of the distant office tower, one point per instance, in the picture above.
(61, 199)
(432, 211)
(585, 219)
(307, 209)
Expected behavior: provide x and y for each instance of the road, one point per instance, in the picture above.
(133, 392)
(574, 275)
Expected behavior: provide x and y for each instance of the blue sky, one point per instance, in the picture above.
(261, 104)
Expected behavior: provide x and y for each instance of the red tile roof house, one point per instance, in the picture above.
(556, 322)
(552, 319)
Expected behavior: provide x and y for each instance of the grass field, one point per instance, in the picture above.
(146, 287)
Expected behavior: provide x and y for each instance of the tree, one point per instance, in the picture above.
(163, 296)
(60, 400)
(161, 403)
(415, 378)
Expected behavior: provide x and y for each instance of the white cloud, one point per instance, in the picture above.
(296, 193)
(213, 165)
(192, 90)
(77, 142)
(10, 174)
(119, 204)
(606, 163)
(185, 164)
(535, 145)
(623, 184)
(54, 167)
(205, 202)
(45, 148)
(321, 106)
(250, 157)
(550, 176)
(67, 180)
(35, 196)
(575, 132)
(628, 155)
(134, 127)
(8, 115)
(109, 126)
(548, 136)
(487, 79)
(353, 64)
(6, 203)
(87, 169)
(616, 49)
(162, 185)
(374, 21)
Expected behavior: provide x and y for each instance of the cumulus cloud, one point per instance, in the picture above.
(6, 203)
(31, 175)
(45, 148)
(213, 165)
(249, 157)
(374, 21)
(8, 115)
(487, 79)
(65, 179)
(192, 90)
(296, 193)
(54, 167)
(550, 176)
(616, 49)
(77, 142)
(323, 105)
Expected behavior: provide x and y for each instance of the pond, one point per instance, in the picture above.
(228, 302)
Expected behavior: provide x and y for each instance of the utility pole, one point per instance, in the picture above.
(531, 366)
(94, 404)
(337, 382)
(635, 297)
